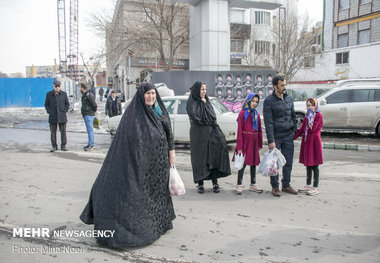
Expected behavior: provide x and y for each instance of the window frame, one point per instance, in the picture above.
(342, 57)
(369, 36)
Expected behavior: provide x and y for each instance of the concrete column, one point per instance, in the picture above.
(210, 36)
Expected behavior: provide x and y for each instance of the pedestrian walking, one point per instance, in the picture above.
(131, 193)
(56, 105)
(311, 145)
(280, 126)
(208, 146)
(113, 105)
(249, 141)
(88, 110)
(101, 94)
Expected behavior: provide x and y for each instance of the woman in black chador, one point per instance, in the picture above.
(208, 146)
(131, 193)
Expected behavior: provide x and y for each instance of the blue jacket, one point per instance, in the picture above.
(279, 117)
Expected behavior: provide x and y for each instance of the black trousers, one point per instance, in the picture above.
(309, 174)
(213, 176)
(53, 134)
(241, 172)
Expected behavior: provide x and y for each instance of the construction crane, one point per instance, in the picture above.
(70, 69)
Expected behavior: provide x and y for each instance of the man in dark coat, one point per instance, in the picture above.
(113, 105)
(56, 105)
(88, 110)
(280, 126)
(101, 94)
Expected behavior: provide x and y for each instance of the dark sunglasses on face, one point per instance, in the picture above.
(56, 86)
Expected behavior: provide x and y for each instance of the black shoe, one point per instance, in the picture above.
(53, 149)
(216, 188)
(64, 149)
(89, 148)
(86, 147)
(201, 189)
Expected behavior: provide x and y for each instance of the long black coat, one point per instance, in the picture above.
(57, 106)
(131, 193)
(208, 144)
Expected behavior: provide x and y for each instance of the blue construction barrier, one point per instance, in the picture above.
(28, 92)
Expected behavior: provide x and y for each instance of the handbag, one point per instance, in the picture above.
(96, 122)
(176, 186)
(239, 161)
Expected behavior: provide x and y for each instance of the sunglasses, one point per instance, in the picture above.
(56, 86)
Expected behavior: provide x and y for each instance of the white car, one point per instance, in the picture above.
(176, 107)
(351, 107)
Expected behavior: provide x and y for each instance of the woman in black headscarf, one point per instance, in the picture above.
(131, 193)
(208, 146)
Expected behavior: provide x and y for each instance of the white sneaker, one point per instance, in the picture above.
(313, 191)
(255, 188)
(239, 189)
(305, 189)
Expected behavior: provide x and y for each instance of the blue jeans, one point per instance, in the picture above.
(286, 145)
(89, 120)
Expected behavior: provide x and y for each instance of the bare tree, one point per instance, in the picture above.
(150, 28)
(293, 40)
(92, 66)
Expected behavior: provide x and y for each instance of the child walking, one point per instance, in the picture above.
(311, 145)
(249, 141)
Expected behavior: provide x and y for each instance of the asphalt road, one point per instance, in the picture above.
(43, 189)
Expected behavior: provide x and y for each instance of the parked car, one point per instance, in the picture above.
(350, 107)
(176, 107)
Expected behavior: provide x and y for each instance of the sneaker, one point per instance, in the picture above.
(305, 189)
(289, 190)
(86, 147)
(216, 188)
(255, 188)
(276, 192)
(64, 149)
(89, 148)
(313, 191)
(53, 149)
(201, 189)
(239, 189)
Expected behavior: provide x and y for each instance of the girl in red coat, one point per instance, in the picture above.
(249, 140)
(311, 145)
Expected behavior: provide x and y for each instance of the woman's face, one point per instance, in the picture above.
(150, 97)
(203, 91)
(254, 102)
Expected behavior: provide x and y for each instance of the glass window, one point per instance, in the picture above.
(338, 97)
(237, 45)
(181, 107)
(344, 4)
(342, 58)
(362, 2)
(218, 106)
(169, 105)
(237, 16)
(262, 47)
(343, 40)
(262, 18)
(377, 94)
(363, 95)
(364, 36)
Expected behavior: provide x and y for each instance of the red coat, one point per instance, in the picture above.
(311, 148)
(248, 140)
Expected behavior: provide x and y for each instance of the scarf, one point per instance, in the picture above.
(310, 115)
(249, 110)
(156, 109)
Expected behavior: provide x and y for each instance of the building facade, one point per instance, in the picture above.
(350, 44)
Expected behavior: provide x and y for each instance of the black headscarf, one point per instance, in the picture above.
(131, 194)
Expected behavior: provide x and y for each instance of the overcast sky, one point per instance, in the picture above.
(29, 30)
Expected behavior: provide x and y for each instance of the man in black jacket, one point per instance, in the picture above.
(113, 105)
(56, 105)
(280, 126)
(88, 110)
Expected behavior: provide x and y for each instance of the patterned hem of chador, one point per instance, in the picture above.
(131, 194)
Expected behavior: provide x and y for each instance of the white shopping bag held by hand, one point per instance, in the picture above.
(272, 162)
(176, 186)
(239, 161)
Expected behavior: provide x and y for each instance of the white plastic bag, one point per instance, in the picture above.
(176, 186)
(239, 161)
(272, 162)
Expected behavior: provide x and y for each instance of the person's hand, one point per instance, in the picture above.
(204, 100)
(272, 145)
(239, 152)
(172, 158)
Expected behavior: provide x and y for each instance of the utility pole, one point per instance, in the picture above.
(130, 54)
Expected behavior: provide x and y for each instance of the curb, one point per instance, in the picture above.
(338, 146)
